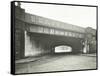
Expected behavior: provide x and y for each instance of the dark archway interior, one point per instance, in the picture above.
(47, 43)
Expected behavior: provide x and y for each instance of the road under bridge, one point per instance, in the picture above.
(36, 35)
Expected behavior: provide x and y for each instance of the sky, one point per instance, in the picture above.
(76, 15)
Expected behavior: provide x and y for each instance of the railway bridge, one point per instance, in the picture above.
(36, 35)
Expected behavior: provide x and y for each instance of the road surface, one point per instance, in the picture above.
(57, 63)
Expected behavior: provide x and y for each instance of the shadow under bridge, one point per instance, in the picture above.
(40, 44)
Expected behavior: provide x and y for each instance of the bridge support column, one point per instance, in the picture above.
(34, 46)
(86, 47)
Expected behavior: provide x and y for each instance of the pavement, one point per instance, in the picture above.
(93, 54)
(58, 62)
(32, 59)
(26, 60)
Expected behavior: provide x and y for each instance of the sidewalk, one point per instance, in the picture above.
(31, 59)
(93, 55)
(25, 60)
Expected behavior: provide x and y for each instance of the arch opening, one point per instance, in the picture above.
(62, 49)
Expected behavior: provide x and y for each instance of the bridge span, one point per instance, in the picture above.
(36, 35)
